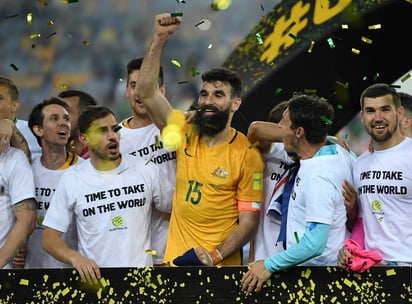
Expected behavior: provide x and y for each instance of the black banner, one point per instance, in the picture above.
(332, 48)
(206, 285)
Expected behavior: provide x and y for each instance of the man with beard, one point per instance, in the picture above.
(111, 196)
(219, 177)
(383, 179)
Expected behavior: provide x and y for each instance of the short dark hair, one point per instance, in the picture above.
(313, 113)
(275, 115)
(225, 75)
(36, 116)
(378, 90)
(406, 101)
(13, 91)
(85, 99)
(90, 114)
(135, 64)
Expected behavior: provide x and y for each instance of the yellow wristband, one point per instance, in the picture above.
(216, 256)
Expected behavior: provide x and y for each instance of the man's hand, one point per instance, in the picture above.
(255, 277)
(166, 25)
(343, 257)
(88, 270)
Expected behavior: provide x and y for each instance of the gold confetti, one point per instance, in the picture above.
(29, 18)
(50, 23)
(24, 282)
(366, 40)
(312, 43)
(86, 43)
(176, 63)
(151, 251)
(345, 26)
(374, 27)
(390, 272)
(406, 77)
(33, 36)
(355, 51)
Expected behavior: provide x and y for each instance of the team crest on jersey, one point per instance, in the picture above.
(221, 173)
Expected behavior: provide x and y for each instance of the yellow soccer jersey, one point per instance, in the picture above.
(209, 183)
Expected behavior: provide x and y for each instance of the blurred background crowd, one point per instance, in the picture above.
(87, 44)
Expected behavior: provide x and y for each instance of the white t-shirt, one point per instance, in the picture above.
(269, 228)
(383, 180)
(46, 182)
(144, 143)
(317, 197)
(34, 146)
(112, 210)
(16, 185)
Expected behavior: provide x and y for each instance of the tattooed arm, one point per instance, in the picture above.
(25, 213)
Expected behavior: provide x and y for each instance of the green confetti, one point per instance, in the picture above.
(326, 120)
(331, 43)
(278, 91)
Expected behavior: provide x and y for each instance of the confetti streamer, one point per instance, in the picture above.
(69, 1)
(176, 63)
(293, 37)
(11, 16)
(48, 36)
(331, 43)
(34, 36)
(326, 120)
(14, 67)
(374, 27)
(355, 51)
(204, 25)
(312, 43)
(406, 77)
(151, 251)
(194, 72)
(366, 40)
(176, 14)
(29, 19)
(182, 82)
(259, 38)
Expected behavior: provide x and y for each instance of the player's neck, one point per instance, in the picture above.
(218, 138)
(136, 122)
(53, 158)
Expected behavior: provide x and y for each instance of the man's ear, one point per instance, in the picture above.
(83, 139)
(299, 132)
(38, 130)
(236, 104)
(15, 106)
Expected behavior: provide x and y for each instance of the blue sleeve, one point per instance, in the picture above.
(311, 245)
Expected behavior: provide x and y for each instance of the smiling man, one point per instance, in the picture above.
(219, 175)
